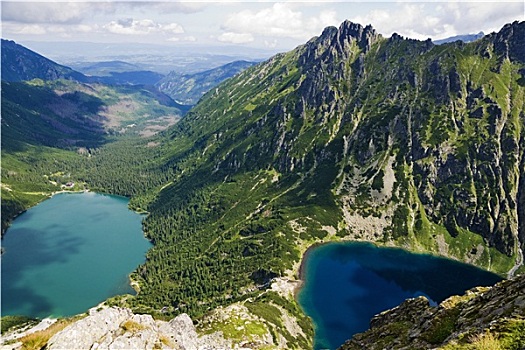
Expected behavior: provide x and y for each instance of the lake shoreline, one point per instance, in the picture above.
(342, 280)
(17, 334)
(301, 271)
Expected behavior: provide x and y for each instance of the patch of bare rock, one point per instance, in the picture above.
(119, 328)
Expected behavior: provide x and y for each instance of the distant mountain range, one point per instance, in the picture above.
(163, 59)
(466, 38)
(48, 104)
(118, 72)
(104, 68)
(189, 88)
(21, 64)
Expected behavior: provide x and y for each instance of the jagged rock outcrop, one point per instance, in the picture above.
(497, 312)
(509, 41)
(119, 328)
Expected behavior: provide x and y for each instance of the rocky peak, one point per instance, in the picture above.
(336, 42)
(509, 42)
(334, 56)
(365, 36)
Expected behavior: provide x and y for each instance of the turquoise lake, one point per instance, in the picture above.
(346, 284)
(70, 253)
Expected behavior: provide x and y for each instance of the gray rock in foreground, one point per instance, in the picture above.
(119, 328)
(482, 316)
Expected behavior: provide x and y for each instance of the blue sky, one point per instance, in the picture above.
(259, 24)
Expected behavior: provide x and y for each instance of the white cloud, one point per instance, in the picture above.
(51, 12)
(173, 28)
(279, 20)
(27, 29)
(53, 29)
(468, 16)
(171, 7)
(440, 20)
(270, 44)
(236, 38)
(84, 28)
(189, 38)
(129, 26)
(416, 22)
(77, 11)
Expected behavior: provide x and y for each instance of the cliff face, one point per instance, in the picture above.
(481, 317)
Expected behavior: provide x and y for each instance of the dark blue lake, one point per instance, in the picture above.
(70, 253)
(346, 284)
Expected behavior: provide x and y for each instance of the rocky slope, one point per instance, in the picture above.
(482, 317)
(118, 328)
(237, 326)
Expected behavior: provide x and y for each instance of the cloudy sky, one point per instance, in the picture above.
(259, 24)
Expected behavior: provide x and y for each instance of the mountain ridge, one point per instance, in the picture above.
(20, 63)
(326, 94)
